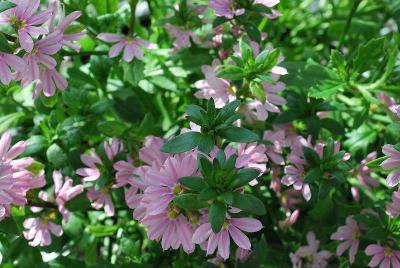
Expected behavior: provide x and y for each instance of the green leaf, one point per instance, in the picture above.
(56, 155)
(231, 72)
(133, 72)
(258, 91)
(244, 176)
(271, 60)
(368, 55)
(103, 230)
(338, 61)
(376, 234)
(4, 46)
(74, 28)
(79, 203)
(313, 175)
(227, 198)
(35, 144)
(216, 216)
(253, 32)
(111, 128)
(208, 194)
(238, 134)
(246, 52)
(6, 5)
(197, 184)
(205, 166)
(195, 113)
(189, 201)
(105, 6)
(311, 156)
(36, 167)
(182, 143)
(248, 202)
(10, 121)
(325, 89)
(227, 111)
(375, 164)
(333, 126)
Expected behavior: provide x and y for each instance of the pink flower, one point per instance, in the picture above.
(132, 46)
(64, 191)
(7, 63)
(64, 23)
(92, 172)
(101, 198)
(364, 171)
(258, 110)
(151, 151)
(113, 148)
(395, 109)
(274, 151)
(252, 155)
(308, 256)
(242, 254)
(350, 235)
(392, 163)
(40, 55)
(270, 3)
(225, 8)
(171, 229)
(294, 176)
(49, 80)
(164, 182)
(25, 21)
(232, 228)
(214, 87)
(182, 36)
(385, 256)
(38, 231)
(290, 219)
(393, 208)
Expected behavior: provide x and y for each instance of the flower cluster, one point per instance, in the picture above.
(40, 36)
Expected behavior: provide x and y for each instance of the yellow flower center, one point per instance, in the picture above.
(177, 189)
(19, 24)
(388, 252)
(373, 107)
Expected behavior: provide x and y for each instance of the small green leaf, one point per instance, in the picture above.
(205, 143)
(6, 5)
(238, 134)
(227, 197)
(313, 175)
(311, 156)
(195, 113)
(375, 164)
(244, 176)
(111, 128)
(4, 46)
(248, 202)
(56, 155)
(207, 194)
(182, 143)
(368, 55)
(195, 183)
(216, 216)
(258, 91)
(246, 52)
(227, 111)
(333, 126)
(232, 73)
(189, 201)
(205, 166)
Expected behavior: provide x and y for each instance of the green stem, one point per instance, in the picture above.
(356, 3)
(133, 16)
